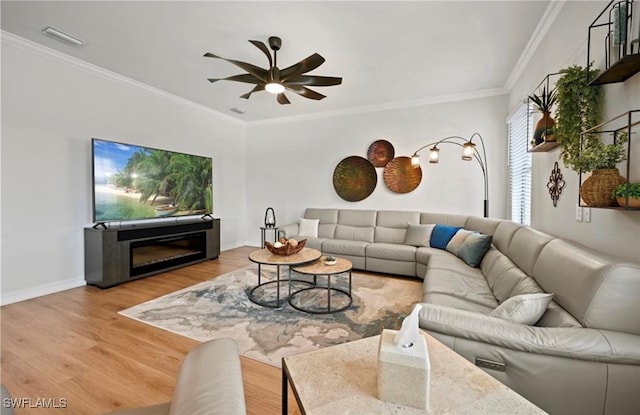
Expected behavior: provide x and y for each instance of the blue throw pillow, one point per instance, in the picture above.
(441, 235)
(474, 248)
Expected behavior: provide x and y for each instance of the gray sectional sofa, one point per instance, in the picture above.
(581, 357)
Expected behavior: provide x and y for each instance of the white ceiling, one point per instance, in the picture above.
(388, 52)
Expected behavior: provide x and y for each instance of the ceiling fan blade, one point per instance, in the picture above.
(282, 99)
(313, 80)
(252, 69)
(305, 92)
(308, 64)
(260, 45)
(257, 88)
(245, 77)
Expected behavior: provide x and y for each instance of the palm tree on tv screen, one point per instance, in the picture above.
(191, 179)
(154, 172)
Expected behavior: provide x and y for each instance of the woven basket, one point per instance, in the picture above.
(287, 249)
(596, 190)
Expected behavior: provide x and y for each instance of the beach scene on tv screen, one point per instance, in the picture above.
(133, 182)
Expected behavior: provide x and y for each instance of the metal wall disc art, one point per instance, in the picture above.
(556, 184)
(400, 176)
(380, 153)
(354, 178)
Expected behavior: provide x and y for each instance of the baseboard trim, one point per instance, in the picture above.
(40, 290)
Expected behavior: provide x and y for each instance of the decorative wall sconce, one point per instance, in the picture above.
(556, 184)
(269, 218)
(469, 152)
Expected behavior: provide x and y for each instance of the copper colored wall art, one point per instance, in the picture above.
(380, 153)
(400, 176)
(354, 178)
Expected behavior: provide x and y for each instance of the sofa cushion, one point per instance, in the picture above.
(353, 217)
(556, 316)
(344, 247)
(503, 234)
(328, 219)
(393, 252)
(441, 235)
(308, 227)
(526, 245)
(396, 218)
(389, 235)
(486, 226)
(501, 273)
(599, 290)
(473, 249)
(418, 235)
(354, 233)
(443, 218)
(523, 309)
(325, 215)
(448, 300)
(448, 275)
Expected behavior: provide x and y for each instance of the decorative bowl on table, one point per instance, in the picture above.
(285, 247)
(330, 260)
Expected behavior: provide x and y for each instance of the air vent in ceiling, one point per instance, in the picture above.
(63, 37)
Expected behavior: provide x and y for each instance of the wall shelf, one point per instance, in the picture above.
(546, 85)
(617, 27)
(609, 131)
(545, 146)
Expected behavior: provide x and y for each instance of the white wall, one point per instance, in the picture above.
(290, 163)
(613, 231)
(52, 106)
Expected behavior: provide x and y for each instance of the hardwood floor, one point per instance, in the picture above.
(73, 346)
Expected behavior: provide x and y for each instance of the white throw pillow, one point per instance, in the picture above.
(418, 235)
(308, 227)
(524, 309)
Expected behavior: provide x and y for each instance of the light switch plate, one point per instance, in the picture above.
(586, 214)
(579, 213)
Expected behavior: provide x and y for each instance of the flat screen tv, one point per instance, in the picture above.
(132, 182)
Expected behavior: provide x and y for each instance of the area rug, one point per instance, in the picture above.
(221, 308)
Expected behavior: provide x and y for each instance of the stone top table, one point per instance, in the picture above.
(265, 257)
(343, 379)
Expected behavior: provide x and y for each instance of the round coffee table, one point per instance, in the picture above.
(319, 268)
(264, 257)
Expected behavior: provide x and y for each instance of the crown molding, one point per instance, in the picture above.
(366, 109)
(30, 46)
(547, 20)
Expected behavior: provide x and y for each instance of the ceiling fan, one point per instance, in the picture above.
(276, 80)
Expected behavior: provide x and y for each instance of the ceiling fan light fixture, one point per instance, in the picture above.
(274, 88)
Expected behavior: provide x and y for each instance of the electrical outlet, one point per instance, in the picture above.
(579, 213)
(586, 214)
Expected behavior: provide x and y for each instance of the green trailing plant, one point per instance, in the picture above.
(579, 107)
(632, 189)
(545, 101)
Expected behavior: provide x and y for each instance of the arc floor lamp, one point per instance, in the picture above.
(469, 152)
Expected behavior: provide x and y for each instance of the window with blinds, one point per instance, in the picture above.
(519, 166)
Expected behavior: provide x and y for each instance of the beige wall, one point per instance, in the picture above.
(613, 231)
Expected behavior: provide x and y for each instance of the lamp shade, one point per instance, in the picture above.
(434, 154)
(468, 149)
(415, 160)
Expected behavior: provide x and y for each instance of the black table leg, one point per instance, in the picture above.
(285, 391)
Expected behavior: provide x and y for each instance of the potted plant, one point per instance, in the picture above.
(578, 109)
(630, 191)
(544, 129)
(601, 159)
